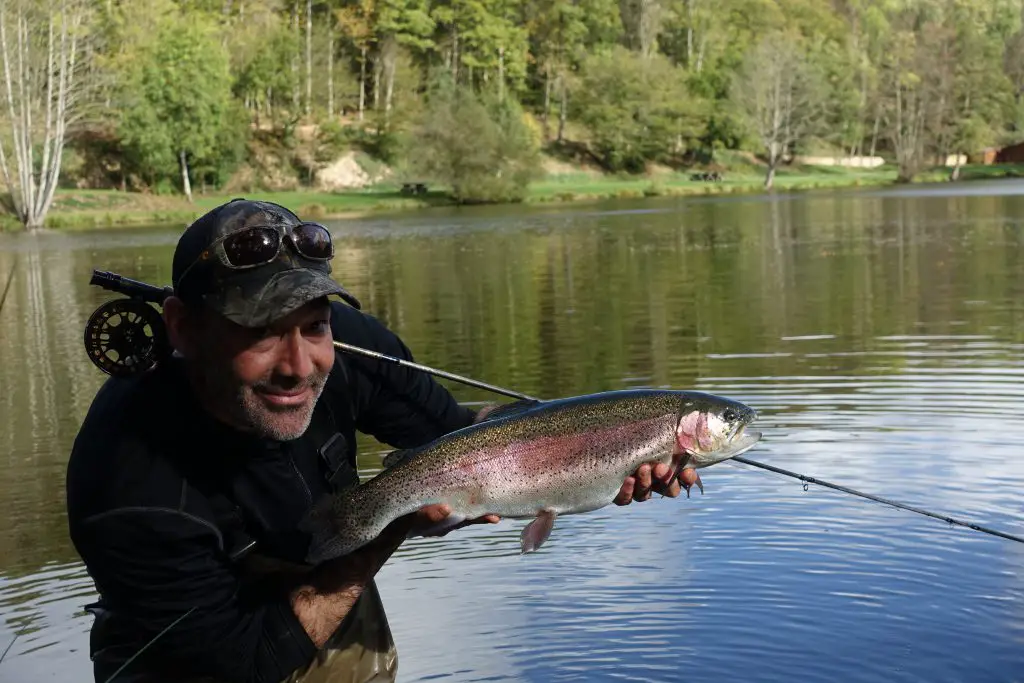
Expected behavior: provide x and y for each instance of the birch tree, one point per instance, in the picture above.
(779, 94)
(44, 56)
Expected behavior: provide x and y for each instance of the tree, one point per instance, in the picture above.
(356, 23)
(177, 108)
(642, 21)
(399, 23)
(637, 109)
(477, 144)
(780, 94)
(45, 88)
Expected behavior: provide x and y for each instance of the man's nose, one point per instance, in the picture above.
(296, 361)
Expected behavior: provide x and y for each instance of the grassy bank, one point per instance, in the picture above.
(87, 209)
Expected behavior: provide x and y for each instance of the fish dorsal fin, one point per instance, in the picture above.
(510, 409)
(397, 457)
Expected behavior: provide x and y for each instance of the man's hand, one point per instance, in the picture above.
(432, 515)
(481, 414)
(646, 481)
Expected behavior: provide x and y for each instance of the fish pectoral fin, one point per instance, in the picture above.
(537, 531)
(397, 457)
(509, 409)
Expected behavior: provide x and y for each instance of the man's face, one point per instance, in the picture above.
(265, 380)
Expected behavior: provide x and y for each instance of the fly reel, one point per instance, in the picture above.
(125, 337)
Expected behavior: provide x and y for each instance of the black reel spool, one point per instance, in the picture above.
(125, 337)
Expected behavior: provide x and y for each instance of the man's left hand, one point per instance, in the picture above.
(435, 514)
(645, 481)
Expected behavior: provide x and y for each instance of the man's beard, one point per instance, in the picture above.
(248, 411)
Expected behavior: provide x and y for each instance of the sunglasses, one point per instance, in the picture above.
(260, 244)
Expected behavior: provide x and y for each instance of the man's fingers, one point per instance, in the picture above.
(484, 412)
(626, 492)
(659, 474)
(672, 490)
(435, 514)
(642, 490)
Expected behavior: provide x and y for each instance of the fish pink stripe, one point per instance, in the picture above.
(544, 454)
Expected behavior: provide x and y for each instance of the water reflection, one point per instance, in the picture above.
(878, 333)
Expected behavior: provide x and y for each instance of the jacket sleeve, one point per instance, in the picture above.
(401, 407)
(158, 565)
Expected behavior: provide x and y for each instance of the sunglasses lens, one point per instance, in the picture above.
(252, 247)
(313, 241)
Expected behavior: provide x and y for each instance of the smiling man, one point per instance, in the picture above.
(186, 484)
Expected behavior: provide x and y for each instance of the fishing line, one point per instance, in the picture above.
(9, 646)
(150, 293)
(746, 461)
(811, 480)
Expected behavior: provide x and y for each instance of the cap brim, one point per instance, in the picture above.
(258, 301)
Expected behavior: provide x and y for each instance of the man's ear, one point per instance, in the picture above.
(180, 326)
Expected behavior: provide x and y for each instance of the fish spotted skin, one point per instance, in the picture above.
(535, 460)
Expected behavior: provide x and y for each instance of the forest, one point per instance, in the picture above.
(163, 96)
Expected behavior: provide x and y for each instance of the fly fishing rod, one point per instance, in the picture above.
(139, 344)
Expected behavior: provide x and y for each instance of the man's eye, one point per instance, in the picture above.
(320, 327)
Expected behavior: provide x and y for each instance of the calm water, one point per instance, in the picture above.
(879, 334)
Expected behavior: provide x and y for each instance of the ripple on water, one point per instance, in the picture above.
(870, 367)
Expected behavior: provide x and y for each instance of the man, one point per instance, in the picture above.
(186, 485)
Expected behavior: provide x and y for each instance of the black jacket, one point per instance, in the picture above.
(162, 501)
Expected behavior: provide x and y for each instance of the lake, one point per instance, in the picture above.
(879, 333)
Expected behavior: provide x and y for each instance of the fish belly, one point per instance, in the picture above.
(564, 474)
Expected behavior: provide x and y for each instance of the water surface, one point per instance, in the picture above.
(877, 332)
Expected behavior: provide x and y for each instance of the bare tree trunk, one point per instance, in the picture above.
(362, 81)
(563, 107)
(641, 20)
(689, 33)
(874, 131)
(501, 74)
(455, 54)
(547, 102)
(388, 58)
(186, 186)
(295, 59)
(330, 72)
(377, 68)
(309, 57)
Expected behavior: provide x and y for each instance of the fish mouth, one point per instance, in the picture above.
(740, 441)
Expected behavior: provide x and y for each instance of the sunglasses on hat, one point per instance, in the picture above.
(260, 244)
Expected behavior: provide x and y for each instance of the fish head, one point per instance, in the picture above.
(713, 428)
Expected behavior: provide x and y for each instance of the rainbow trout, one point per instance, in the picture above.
(537, 460)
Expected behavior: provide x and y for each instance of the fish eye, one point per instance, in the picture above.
(729, 415)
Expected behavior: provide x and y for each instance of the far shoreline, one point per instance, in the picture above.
(86, 210)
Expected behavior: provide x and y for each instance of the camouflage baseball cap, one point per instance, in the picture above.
(252, 297)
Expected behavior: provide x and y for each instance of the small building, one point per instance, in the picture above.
(1011, 154)
(983, 157)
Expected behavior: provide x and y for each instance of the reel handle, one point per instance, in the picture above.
(127, 286)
